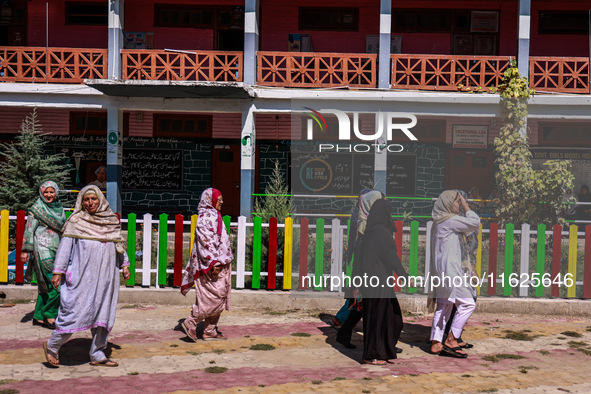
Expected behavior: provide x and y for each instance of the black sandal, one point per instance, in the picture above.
(453, 351)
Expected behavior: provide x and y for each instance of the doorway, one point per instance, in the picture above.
(468, 168)
(226, 177)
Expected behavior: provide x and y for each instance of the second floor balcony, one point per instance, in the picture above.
(292, 69)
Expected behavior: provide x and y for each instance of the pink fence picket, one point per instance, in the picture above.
(303, 252)
(556, 253)
(272, 254)
(178, 250)
(20, 232)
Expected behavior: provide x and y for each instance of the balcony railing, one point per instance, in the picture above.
(58, 65)
(157, 65)
(311, 70)
(559, 74)
(447, 72)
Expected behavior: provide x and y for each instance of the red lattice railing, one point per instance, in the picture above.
(309, 69)
(59, 65)
(559, 74)
(155, 65)
(447, 72)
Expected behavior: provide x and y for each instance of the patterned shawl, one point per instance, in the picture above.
(103, 225)
(50, 215)
(365, 203)
(444, 206)
(210, 247)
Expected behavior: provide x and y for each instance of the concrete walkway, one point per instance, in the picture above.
(525, 353)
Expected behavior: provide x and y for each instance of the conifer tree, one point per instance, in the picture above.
(24, 166)
(277, 202)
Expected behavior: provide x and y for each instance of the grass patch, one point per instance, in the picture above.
(585, 351)
(193, 353)
(219, 351)
(275, 313)
(174, 345)
(247, 336)
(561, 338)
(522, 335)
(367, 378)
(525, 368)
(365, 391)
(491, 390)
(577, 344)
(466, 375)
(338, 378)
(316, 381)
(8, 381)
(556, 344)
(212, 361)
(495, 358)
(572, 334)
(9, 391)
(485, 322)
(130, 306)
(262, 346)
(589, 329)
(216, 369)
(544, 352)
(300, 334)
(133, 373)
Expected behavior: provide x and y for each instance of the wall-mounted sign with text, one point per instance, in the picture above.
(470, 136)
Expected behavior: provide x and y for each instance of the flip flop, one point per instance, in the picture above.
(454, 351)
(217, 337)
(107, 362)
(335, 325)
(47, 354)
(193, 337)
(467, 346)
(375, 361)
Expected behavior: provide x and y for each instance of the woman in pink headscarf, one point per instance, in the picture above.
(209, 269)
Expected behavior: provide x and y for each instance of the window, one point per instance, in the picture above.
(563, 22)
(181, 125)
(93, 123)
(177, 15)
(339, 19)
(87, 13)
(424, 21)
(565, 134)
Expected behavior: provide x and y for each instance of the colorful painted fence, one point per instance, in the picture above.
(541, 262)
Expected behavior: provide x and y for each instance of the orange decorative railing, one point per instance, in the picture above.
(159, 65)
(559, 74)
(447, 72)
(59, 65)
(309, 69)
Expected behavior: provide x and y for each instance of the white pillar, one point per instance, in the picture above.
(251, 40)
(385, 37)
(115, 44)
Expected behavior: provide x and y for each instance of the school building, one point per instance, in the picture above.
(174, 96)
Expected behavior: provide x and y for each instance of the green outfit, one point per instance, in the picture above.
(41, 240)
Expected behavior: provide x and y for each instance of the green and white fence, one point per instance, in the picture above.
(540, 262)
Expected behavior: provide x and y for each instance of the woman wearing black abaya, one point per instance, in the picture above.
(382, 318)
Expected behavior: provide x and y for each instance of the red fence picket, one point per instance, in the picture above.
(492, 258)
(20, 232)
(272, 254)
(556, 251)
(303, 252)
(178, 250)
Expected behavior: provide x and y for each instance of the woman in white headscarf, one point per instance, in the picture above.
(86, 269)
(447, 265)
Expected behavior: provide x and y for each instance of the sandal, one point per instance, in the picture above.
(216, 337)
(466, 345)
(107, 362)
(375, 361)
(192, 336)
(56, 362)
(454, 351)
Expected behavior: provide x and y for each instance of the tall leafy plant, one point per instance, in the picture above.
(525, 195)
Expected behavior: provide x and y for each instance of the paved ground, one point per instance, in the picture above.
(156, 357)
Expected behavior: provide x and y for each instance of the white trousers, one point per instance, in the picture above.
(465, 307)
(97, 346)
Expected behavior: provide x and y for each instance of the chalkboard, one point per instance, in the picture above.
(152, 169)
(143, 169)
(331, 173)
(401, 175)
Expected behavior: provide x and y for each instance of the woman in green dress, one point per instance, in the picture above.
(42, 237)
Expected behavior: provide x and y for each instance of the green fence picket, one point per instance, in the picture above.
(256, 253)
(131, 236)
(319, 258)
(541, 258)
(227, 221)
(162, 249)
(413, 268)
(68, 214)
(507, 289)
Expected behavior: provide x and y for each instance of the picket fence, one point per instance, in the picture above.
(531, 278)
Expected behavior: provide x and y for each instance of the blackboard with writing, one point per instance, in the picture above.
(152, 169)
(331, 173)
(401, 175)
